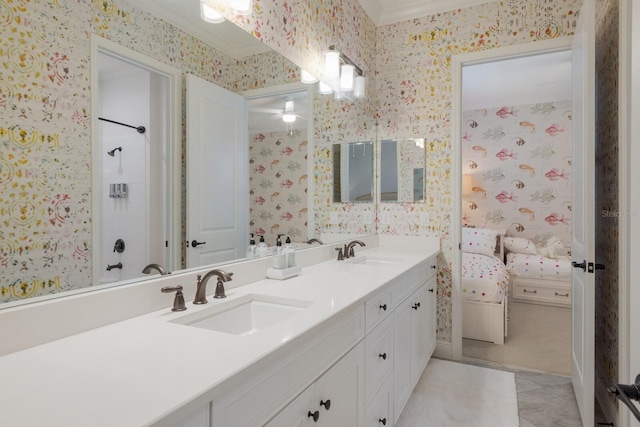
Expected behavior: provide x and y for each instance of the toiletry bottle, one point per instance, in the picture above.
(278, 257)
(251, 251)
(261, 248)
(289, 253)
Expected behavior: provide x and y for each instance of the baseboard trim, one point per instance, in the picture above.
(603, 398)
(444, 350)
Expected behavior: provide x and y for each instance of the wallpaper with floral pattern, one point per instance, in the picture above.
(519, 161)
(278, 175)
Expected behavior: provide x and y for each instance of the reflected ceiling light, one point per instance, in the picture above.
(360, 89)
(209, 14)
(324, 88)
(288, 115)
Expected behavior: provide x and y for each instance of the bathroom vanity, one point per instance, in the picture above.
(342, 344)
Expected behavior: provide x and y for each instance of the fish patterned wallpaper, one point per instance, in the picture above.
(278, 176)
(607, 187)
(519, 161)
(414, 98)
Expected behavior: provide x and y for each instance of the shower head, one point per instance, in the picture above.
(112, 153)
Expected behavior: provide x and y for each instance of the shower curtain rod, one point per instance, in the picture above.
(140, 129)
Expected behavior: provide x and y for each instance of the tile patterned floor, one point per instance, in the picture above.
(544, 400)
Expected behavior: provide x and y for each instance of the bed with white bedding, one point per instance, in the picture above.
(540, 280)
(484, 285)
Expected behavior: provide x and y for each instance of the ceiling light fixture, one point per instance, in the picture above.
(288, 115)
(338, 75)
(242, 7)
(209, 12)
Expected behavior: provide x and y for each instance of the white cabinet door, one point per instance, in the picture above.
(432, 318)
(379, 356)
(380, 409)
(422, 322)
(336, 399)
(299, 413)
(340, 392)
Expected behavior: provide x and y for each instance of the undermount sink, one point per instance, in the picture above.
(245, 315)
(372, 260)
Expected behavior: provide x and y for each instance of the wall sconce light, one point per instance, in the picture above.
(467, 184)
(209, 14)
(338, 75)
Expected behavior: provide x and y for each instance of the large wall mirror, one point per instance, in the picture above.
(402, 170)
(60, 260)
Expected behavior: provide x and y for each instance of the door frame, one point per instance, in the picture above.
(173, 193)
(458, 62)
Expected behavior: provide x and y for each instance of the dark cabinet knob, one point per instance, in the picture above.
(382, 421)
(383, 307)
(416, 306)
(383, 356)
(326, 404)
(195, 243)
(431, 290)
(433, 267)
(315, 415)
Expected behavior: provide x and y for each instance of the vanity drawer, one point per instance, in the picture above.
(550, 294)
(378, 356)
(408, 282)
(378, 307)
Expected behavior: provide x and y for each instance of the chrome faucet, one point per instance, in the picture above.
(314, 240)
(201, 289)
(150, 267)
(348, 248)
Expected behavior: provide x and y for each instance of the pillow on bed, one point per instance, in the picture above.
(479, 241)
(520, 245)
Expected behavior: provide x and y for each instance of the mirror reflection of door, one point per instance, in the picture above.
(217, 176)
(402, 168)
(516, 145)
(131, 153)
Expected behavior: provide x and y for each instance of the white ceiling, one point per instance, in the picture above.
(383, 12)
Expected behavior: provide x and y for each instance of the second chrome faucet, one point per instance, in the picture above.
(201, 289)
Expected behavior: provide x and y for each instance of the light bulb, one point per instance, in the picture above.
(288, 117)
(324, 88)
(360, 89)
(242, 7)
(346, 77)
(331, 64)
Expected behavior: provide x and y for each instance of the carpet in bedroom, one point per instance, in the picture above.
(454, 394)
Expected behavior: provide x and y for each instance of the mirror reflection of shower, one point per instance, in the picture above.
(112, 153)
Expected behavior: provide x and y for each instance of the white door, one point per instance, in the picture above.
(583, 253)
(217, 176)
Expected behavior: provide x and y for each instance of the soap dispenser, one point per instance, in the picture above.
(278, 257)
(289, 253)
(261, 248)
(251, 250)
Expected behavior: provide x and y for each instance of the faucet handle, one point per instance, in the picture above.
(220, 293)
(340, 254)
(178, 301)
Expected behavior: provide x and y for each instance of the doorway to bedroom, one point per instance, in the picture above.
(516, 148)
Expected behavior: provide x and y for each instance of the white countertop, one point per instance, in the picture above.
(136, 372)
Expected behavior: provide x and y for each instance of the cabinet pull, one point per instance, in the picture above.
(383, 356)
(433, 267)
(431, 290)
(383, 307)
(314, 415)
(382, 421)
(416, 306)
(562, 295)
(535, 291)
(326, 404)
